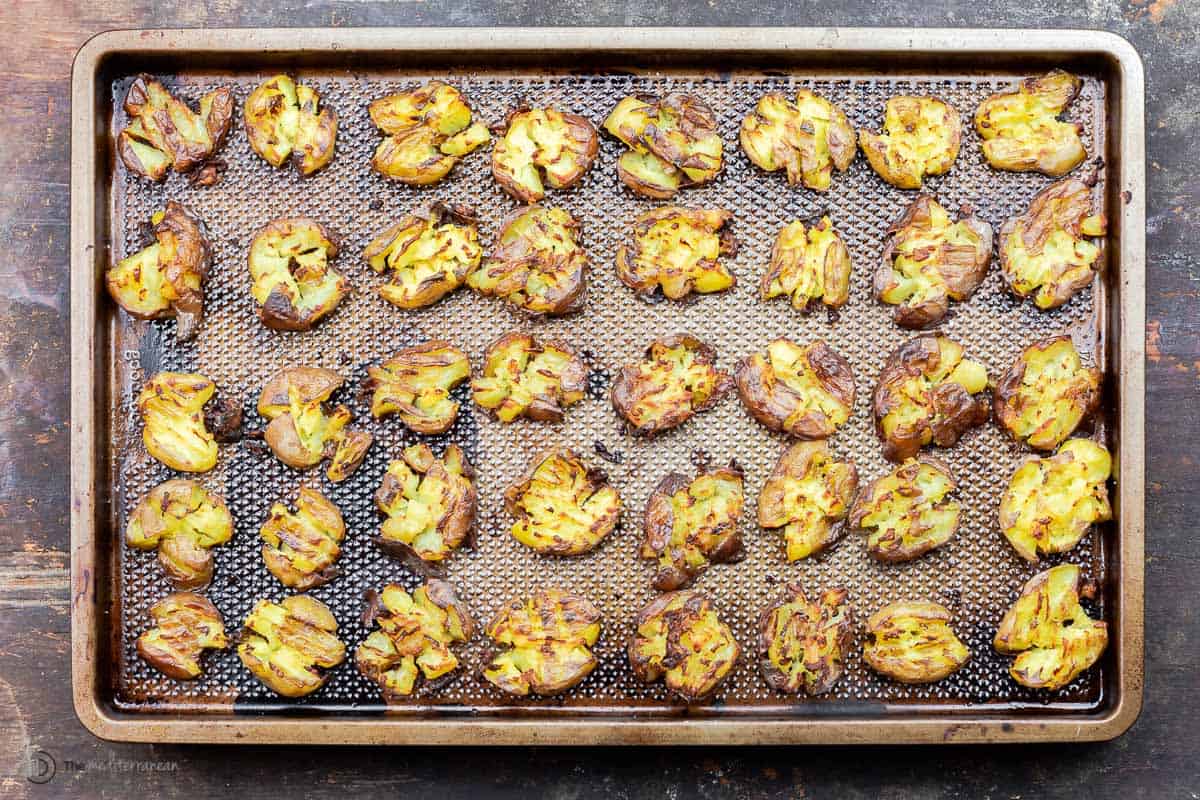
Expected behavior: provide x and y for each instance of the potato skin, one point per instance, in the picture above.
(310, 142)
(808, 266)
(415, 384)
(310, 388)
(297, 300)
(540, 527)
(1060, 404)
(304, 632)
(301, 546)
(674, 143)
(639, 389)
(404, 495)
(524, 377)
(808, 138)
(578, 147)
(427, 129)
(172, 407)
(185, 625)
(1021, 131)
(810, 524)
(451, 231)
(692, 671)
(183, 521)
(651, 260)
(794, 407)
(806, 638)
(552, 632)
(906, 117)
(152, 133)
(931, 519)
(911, 642)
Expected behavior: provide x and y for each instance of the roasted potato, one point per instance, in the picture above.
(906, 512)
(415, 384)
(1051, 502)
(677, 379)
(928, 392)
(302, 431)
(921, 138)
(1046, 393)
(912, 642)
(679, 636)
(690, 524)
(929, 260)
(287, 119)
(293, 283)
(429, 503)
(809, 266)
(673, 143)
(416, 632)
(678, 250)
(185, 625)
(299, 547)
(163, 132)
(808, 494)
(290, 645)
(543, 147)
(1044, 253)
(807, 138)
(1021, 130)
(546, 640)
(807, 392)
(429, 129)
(563, 507)
(802, 643)
(172, 407)
(525, 377)
(537, 264)
(427, 254)
(184, 521)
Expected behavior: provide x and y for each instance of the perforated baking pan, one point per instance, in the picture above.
(586, 71)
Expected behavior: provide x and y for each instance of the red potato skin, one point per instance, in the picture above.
(772, 402)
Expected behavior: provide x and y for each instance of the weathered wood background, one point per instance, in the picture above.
(1156, 759)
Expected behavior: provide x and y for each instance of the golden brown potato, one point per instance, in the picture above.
(293, 283)
(545, 640)
(427, 254)
(1021, 130)
(690, 524)
(929, 260)
(802, 643)
(679, 636)
(415, 636)
(543, 147)
(415, 384)
(808, 494)
(912, 642)
(302, 431)
(1046, 393)
(809, 266)
(429, 129)
(184, 521)
(677, 379)
(678, 250)
(163, 132)
(906, 512)
(808, 138)
(172, 407)
(807, 392)
(185, 625)
(290, 645)
(928, 392)
(1051, 502)
(429, 503)
(287, 119)
(673, 143)
(300, 546)
(921, 138)
(563, 507)
(524, 377)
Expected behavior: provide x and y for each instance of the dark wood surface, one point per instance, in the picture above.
(1156, 759)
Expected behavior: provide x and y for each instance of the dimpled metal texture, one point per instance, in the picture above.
(976, 575)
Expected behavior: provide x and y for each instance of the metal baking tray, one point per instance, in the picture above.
(586, 71)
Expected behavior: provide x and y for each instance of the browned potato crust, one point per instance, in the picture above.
(906, 512)
(1046, 393)
(922, 136)
(291, 645)
(429, 503)
(427, 254)
(563, 507)
(301, 546)
(287, 119)
(808, 494)
(185, 625)
(677, 249)
(679, 637)
(525, 377)
(163, 132)
(808, 138)
(543, 147)
(809, 266)
(301, 431)
(807, 392)
(546, 640)
(912, 642)
(415, 384)
(1021, 130)
(292, 280)
(184, 522)
(172, 407)
(429, 129)
(802, 643)
(677, 379)
(673, 143)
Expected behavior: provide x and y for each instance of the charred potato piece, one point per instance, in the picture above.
(299, 547)
(673, 143)
(921, 138)
(1051, 502)
(172, 406)
(184, 522)
(807, 392)
(537, 264)
(302, 431)
(677, 379)
(680, 638)
(185, 625)
(524, 377)
(429, 502)
(678, 250)
(543, 147)
(427, 254)
(808, 494)
(429, 129)
(287, 119)
(928, 392)
(415, 384)
(906, 512)
(930, 260)
(809, 266)
(802, 643)
(912, 642)
(1046, 393)
(290, 645)
(807, 138)
(163, 132)
(1021, 130)
(563, 507)
(293, 283)
(546, 642)
(415, 636)
(690, 524)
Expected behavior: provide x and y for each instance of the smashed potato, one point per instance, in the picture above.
(808, 265)
(677, 380)
(184, 522)
(807, 392)
(185, 625)
(301, 431)
(293, 283)
(673, 143)
(299, 547)
(921, 138)
(1021, 130)
(808, 138)
(562, 506)
(415, 384)
(678, 250)
(524, 377)
(429, 503)
(172, 406)
(287, 119)
(543, 147)
(912, 642)
(808, 494)
(429, 129)
(546, 639)
(290, 645)
(802, 643)
(163, 132)
(1046, 393)
(680, 638)
(427, 254)
(907, 512)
